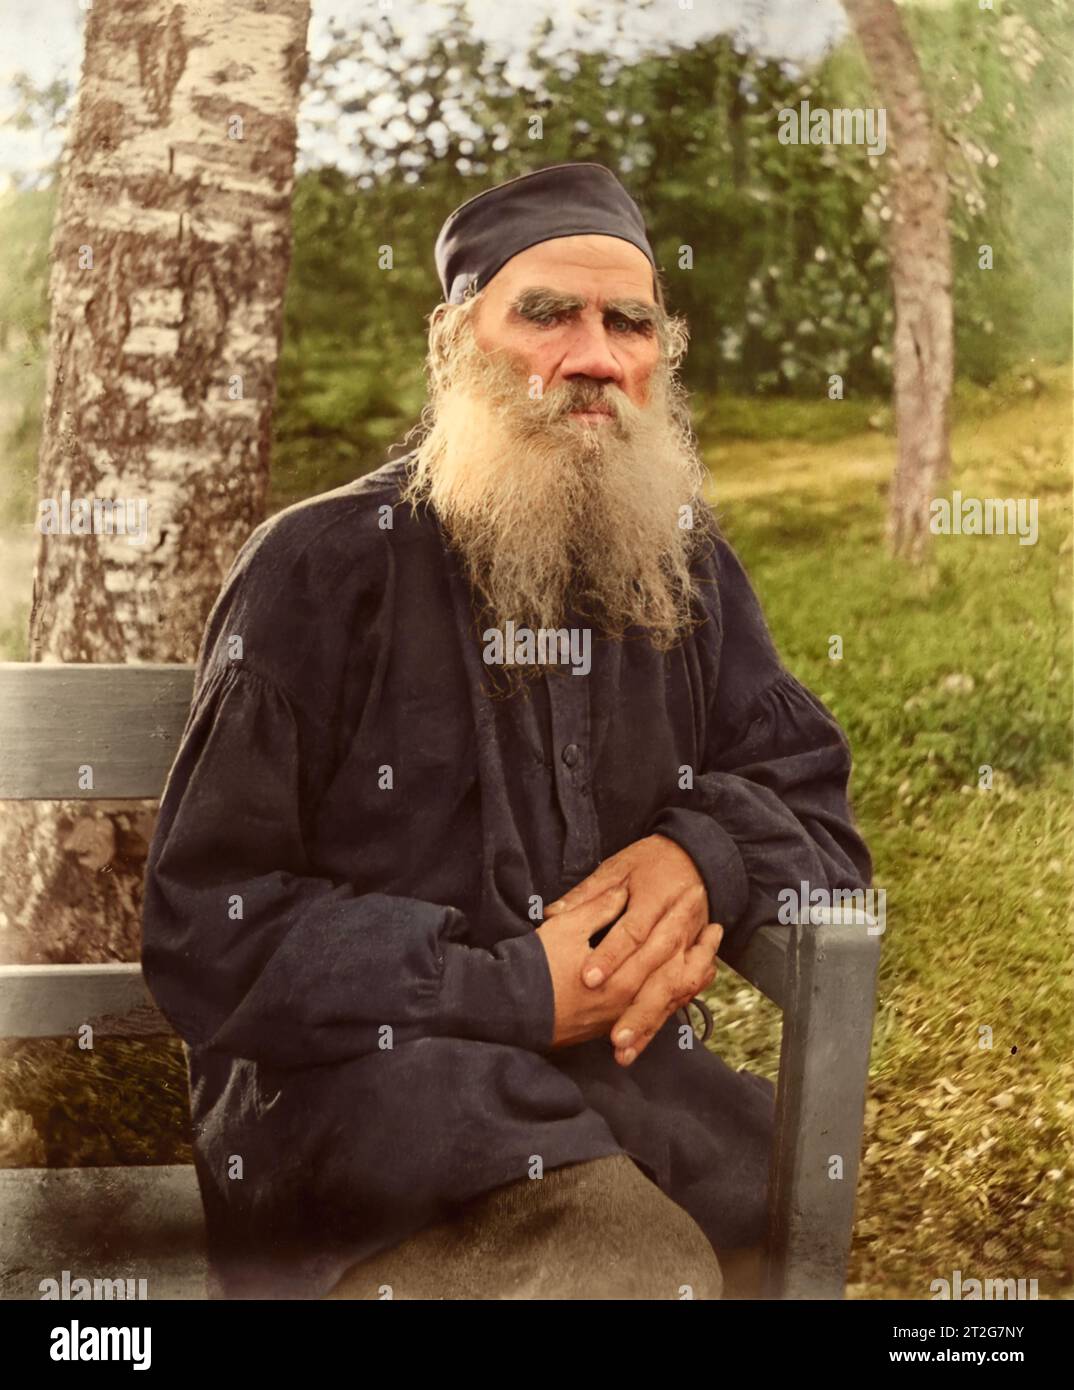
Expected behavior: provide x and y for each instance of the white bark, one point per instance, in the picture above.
(189, 233)
(169, 260)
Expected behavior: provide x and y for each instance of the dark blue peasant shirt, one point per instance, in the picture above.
(339, 890)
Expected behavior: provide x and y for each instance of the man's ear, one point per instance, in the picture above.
(440, 337)
(436, 319)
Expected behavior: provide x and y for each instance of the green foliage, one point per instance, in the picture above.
(789, 280)
(1000, 82)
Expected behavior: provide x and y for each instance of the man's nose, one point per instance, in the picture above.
(589, 354)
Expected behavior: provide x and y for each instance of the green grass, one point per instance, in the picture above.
(967, 1160)
(968, 1150)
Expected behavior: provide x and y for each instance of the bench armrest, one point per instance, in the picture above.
(822, 973)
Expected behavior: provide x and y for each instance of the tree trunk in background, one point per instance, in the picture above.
(921, 273)
(169, 260)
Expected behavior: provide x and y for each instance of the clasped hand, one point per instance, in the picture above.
(657, 956)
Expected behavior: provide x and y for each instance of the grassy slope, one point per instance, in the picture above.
(967, 1160)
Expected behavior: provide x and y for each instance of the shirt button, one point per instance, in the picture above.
(570, 754)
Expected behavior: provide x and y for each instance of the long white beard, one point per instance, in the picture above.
(549, 512)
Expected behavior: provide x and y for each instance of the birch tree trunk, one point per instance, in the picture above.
(169, 259)
(924, 351)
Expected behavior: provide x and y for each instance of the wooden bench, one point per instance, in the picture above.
(125, 722)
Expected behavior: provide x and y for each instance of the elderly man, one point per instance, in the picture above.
(489, 752)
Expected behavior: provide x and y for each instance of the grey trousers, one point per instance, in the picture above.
(596, 1230)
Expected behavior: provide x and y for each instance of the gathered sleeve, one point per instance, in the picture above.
(249, 951)
(769, 809)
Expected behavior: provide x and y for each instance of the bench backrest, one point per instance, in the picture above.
(86, 733)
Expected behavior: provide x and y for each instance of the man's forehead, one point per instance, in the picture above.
(590, 266)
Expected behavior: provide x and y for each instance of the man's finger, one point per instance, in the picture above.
(596, 912)
(645, 1031)
(604, 876)
(708, 943)
(661, 996)
(668, 931)
(638, 941)
(663, 993)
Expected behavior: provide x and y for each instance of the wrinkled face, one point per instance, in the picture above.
(577, 309)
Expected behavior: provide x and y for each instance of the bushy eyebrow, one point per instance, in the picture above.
(636, 309)
(538, 302)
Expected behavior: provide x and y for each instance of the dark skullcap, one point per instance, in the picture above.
(482, 235)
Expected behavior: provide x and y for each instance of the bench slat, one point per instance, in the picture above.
(124, 722)
(53, 1001)
(102, 1223)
